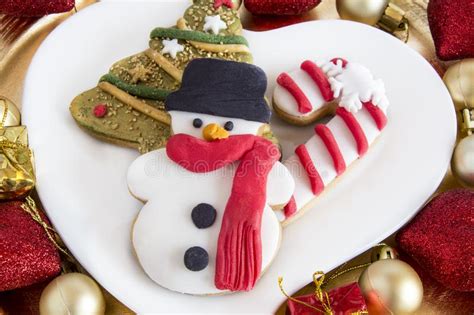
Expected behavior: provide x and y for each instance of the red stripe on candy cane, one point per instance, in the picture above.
(317, 185)
(355, 128)
(377, 114)
(290, 208)
(318, 76)
(333, 148)
(285, 81)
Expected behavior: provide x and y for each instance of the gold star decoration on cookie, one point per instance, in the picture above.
(138, 73)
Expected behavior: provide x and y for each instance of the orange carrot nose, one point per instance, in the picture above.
(214, 132)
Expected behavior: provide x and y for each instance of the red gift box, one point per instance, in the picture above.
(27, 255)
(344, 300)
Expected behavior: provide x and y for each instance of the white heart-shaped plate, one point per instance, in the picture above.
(81, 181)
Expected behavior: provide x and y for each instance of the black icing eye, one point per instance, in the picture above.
(197, 123)
(229, 126)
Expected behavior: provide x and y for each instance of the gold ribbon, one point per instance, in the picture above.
(29, 206)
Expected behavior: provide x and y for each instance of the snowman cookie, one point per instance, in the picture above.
(208, 226)
(316, 89)
(360, 116)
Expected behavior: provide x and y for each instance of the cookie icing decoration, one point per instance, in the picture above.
(349, 84)
(232, 179)
(304, 105)
(333, 148)
(219, 3)
(135, 87)
(203, 215)
(196, 258)
(315, 180)
(319, 78)
(214, 24)
(355, 128)
(100, 110)
(250, 107)
(171, 47)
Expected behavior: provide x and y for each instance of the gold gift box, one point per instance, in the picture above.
(17, 173)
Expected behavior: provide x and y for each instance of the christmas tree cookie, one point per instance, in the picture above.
(127, 106)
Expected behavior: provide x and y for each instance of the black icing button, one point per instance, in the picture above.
(203, 215)
(196, 258)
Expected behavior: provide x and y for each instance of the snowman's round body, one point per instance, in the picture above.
(164, 228)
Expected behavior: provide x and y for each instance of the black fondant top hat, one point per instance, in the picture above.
(222, 88)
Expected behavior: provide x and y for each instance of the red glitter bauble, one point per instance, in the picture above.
(280, 7)
(452, 27)
(440, 239)
(100, 110)
(35, 7)
(27, 256)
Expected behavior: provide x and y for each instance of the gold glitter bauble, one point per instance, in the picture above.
(463, 161)
(391, 286)
(13, 117)
(72, 294)
(459, 79)
(363, 11)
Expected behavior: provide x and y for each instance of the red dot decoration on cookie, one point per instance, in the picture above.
(100, 110)
(219, 3)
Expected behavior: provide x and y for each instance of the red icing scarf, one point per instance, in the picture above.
(239, 248)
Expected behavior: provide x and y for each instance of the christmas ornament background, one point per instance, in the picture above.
(99, 214)
(15, 55)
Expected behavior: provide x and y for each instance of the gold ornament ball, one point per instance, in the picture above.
(72, 294)
(391, 286)
(383, 252)
(459, 79)
(463, 161)
(13, 116)
(363, 11)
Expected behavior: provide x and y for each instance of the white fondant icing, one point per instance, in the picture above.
(171, 47)
(214, 23)
(322, 159)
(183, 123)
(280, 185)
(345, 140)
(164, 229)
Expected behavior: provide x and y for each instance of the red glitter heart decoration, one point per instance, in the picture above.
(35, 7)
(27, 256)
(280, 7)
(440, 239)
(452, 28)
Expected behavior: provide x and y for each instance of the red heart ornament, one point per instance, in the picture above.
(452, 28)
(440, 239)
(35, 7)
(27, 256)
(280, 7)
